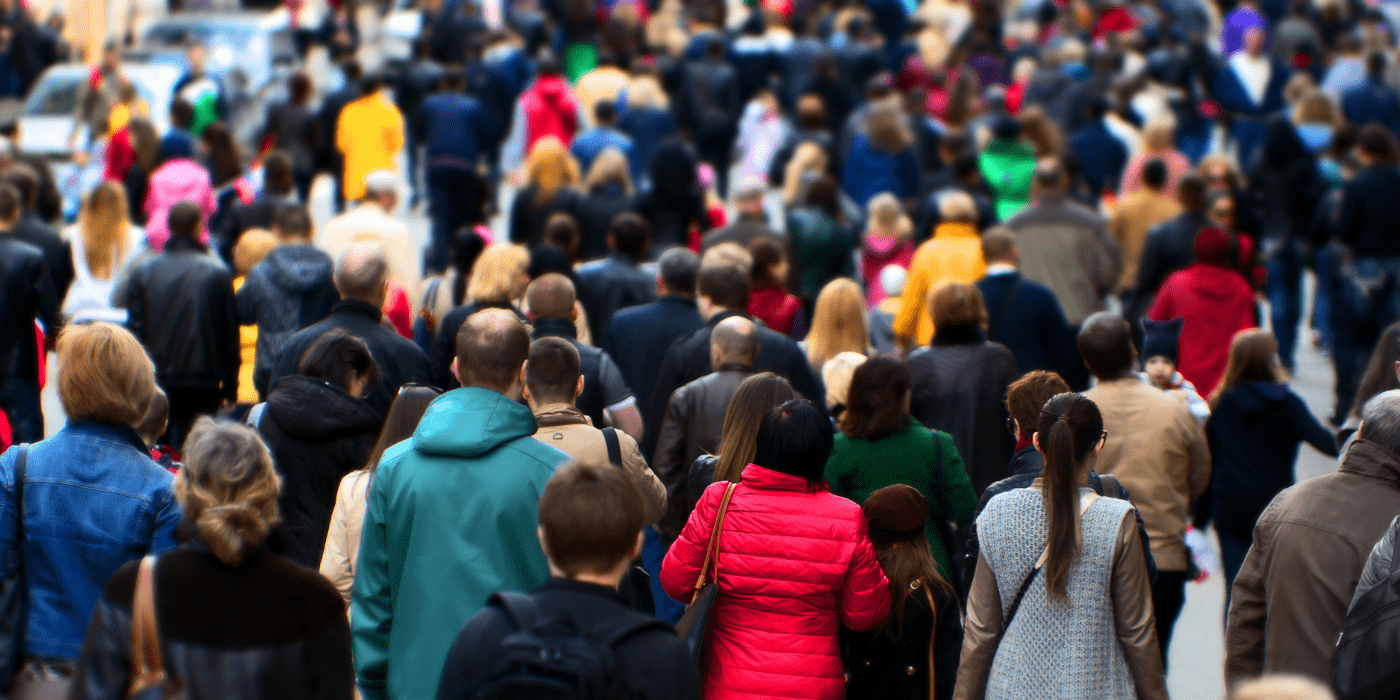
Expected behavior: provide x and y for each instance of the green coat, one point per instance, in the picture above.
(859, 467)
(451, 519)
(1008, 167)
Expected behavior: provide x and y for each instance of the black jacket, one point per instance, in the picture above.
(528, 217)
(882, 668)
(959, 387)
(58, 256)
(688, 359)
(654, 664)
(608, 286)
(638, 337)
(1170, 246)
(1366, 221)
(1286, 186)
(1032, 326)
(692, 427)
(259, 213)
(444, 348)
(264, 629)
(26, 293)
(400, 362)
(180, 305)
(295, 129)
(313, 449)
(710, 104)
(596, 211)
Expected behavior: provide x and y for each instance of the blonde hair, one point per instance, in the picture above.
(728, 253)
(807, 158)
(838, 322)
(1314, 107)
(104, 228)
(228, 488)
(957, 207)
(608, 168)
(837, 374)
(645, 92)
(550, 168)
(1159, 135)
(104, 374)
(496, 276)
(252, 247)
(957, 304)
(887, 216)
(1281, 687)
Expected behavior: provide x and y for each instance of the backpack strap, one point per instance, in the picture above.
(619, 629)
(1112, 488)
(519, 607)
(614, 446)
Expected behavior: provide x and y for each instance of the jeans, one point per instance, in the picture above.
(668, 609)
(1286, 299)
(1366, 300)
(186, 406)
(452, 204)
(19, 398)
(1234, 545)
(1168, 595)
(1323, 261)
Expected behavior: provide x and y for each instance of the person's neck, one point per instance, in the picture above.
(607, 579)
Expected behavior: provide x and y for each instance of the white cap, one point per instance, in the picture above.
(381, 181)
(892, 280)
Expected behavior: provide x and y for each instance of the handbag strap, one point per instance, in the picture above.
(1084, 504)
(147, 667)
(932, 638)
(710, 550)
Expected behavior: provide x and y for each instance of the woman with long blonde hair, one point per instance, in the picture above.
(553, 179)
(838, 323)
(498, 281)
(102, 241)
(607, 193)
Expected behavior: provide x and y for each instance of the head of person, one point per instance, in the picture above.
(884, 125)
(1281, 687)
(887, 217)
(836, 377)
(549, 168)
(552, 373)
(340, 360)
(552, 295)
(1191, 193)
(609, 172)
(1161, 341)
(678, 268)
(26, 180)
(145, 141)
(1051, 179)
(381, 187)
(352, 71)
(877, 402)
(1253, 358)
(1037, 128)
(629, 234)
(1215, 246)
(370, 85)
(1154, 175)
(1027, 395)
(251, 248)
(721, 287)
(500, 275)
(196, 56)
(755, 397)
(605, 112)
(734, 341)
(1221, 210)
(561, 231)
(795, 439)
(590, 523)
(999, 246)
(770, 264)
(277, 172)
(181, 115)
(748, 200)
(811, 113)
(956, 308)
(1380, 421)
(1069, 433)
(408, 408)
(292, 224)
(186, 221)
(153, 424)
(104, 228)
(1105, 342)
(1219, 172)
(957, 207)
(1254, 41)
(462, 253)
(104, 374)
(895, 517)
(111, 56)
(1382, 370)
(300, 88)
(362, 274)
(1375, 145)
(809, 162)
(838, 322)
(1159, 136)
(228, 488)
(492, 347)
(10, 206)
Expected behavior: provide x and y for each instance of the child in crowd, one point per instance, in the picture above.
(152, 426)
(250, 250)
(886, 243)
(881, 318)
(1160, 343)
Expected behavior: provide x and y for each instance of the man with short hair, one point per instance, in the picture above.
(590, 521)
(289, 290)
(1135, 214)
(604, 134)
(1291, 596)
(1170, 246)
(1025, 316)
(361, 278)
(203, 90)
(553, 314)
(1373, 100)
(637, 337)
(1155, 448)
(751, 222)
(279, 191)
(32, 229)
(1102, 155)
(448, 518)
(180, 305)
(617, 282)
(26, 295)
(373, 220)
(552, 384)
(1065, 245)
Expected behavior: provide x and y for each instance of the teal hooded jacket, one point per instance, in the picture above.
(451, 519)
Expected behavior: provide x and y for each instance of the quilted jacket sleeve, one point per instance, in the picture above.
(687, 554)
(864, 600)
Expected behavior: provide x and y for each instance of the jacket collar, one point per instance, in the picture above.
(554, 327)
(959, 335)
(358, 307)
(756, 477)
(621, 258)
(727, 313)
(1026, 461)
(734, 367)
(677, 300)
(180, 244)
(557, 414)
(1369, 459)
(555, 584)
(111, 431)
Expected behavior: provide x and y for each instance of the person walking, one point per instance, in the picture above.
(1024, 315)
(369, 133)
(638, 337)
(454, 132)
(954, 254)
(618, 281)
(295, 129)
(28, 296)
(103, 243)
(1061, 576)
(373, 220)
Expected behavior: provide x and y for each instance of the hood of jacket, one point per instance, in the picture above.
(1215, 284)
(470, 422)
(298, 269)
(551, 88)
(308, 408)
(1257, 398)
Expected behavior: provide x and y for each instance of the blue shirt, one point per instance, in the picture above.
(591, 144)
(454, 127)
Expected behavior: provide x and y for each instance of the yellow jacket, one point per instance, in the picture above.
(954, 254)
(248, 350)
(370, 135)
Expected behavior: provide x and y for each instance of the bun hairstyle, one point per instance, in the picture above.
(228, 488)
(1069, 429)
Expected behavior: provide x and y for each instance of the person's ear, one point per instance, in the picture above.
(637, 546)
(578, 388)
(544, 546)
(456, 373)
(1035, 440)
(573, 313)
(1397, 369)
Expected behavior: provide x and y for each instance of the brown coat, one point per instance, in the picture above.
(566, 429)
(1310, 545)
(1132, 217)
(1159, 452)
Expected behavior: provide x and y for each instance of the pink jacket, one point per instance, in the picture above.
(793, 566)
(178, 180)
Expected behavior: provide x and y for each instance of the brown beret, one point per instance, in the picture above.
(895, 514)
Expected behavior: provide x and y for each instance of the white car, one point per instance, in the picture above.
(47, 119)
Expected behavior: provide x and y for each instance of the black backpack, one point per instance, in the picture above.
(1364, 665)
(554, 659)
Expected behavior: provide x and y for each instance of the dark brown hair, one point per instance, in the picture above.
(339, 358)
(590, 515)
(553, 369)
(1069, 428)
(491, 347)
(1106, 343)
(907, 563)
(1380, 370)
(767, 255)
(875, 403)
(1027, 395)
(726, 285)
(408, 408)
(957, 304)
(755, 397)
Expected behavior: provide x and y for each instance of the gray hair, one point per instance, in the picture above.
(1380, 421)
(228, 487)
(360, 272)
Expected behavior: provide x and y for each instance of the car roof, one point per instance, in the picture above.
(262, 20)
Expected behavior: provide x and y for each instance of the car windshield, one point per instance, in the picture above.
(58, 96)
(182, 34)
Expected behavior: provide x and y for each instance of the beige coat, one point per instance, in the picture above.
(368, 223)
(1132, 217)
(1159, 452)
(343, 538)
(566, 429)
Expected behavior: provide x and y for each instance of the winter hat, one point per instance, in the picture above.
(1213, 245)
(1162, 338)
(895, 514)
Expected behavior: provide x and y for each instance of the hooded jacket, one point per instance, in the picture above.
(550, 110)
(313, 449)
(289, 290)
(1008, 167)
(1217, 303)
(178, 180)
(451, 518)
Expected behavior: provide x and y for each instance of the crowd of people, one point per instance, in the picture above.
(883, 349)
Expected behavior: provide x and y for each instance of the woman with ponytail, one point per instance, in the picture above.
(1061, 604)
(234, 620)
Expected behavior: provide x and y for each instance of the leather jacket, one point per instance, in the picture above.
(694, 420)
(26, 293)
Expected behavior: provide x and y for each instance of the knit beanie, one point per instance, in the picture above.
(1161, 338)
(895, 514)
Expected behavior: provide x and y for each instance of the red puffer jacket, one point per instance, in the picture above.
(793, 566)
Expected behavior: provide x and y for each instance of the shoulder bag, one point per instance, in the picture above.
(694, 626)
(635, 589)
(149, 680)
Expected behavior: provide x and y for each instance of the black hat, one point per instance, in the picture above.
(1161, 339)
(895, 514)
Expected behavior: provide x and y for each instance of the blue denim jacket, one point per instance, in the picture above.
(93, 500)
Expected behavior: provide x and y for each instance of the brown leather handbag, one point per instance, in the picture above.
(694, 626)
(148, 678)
